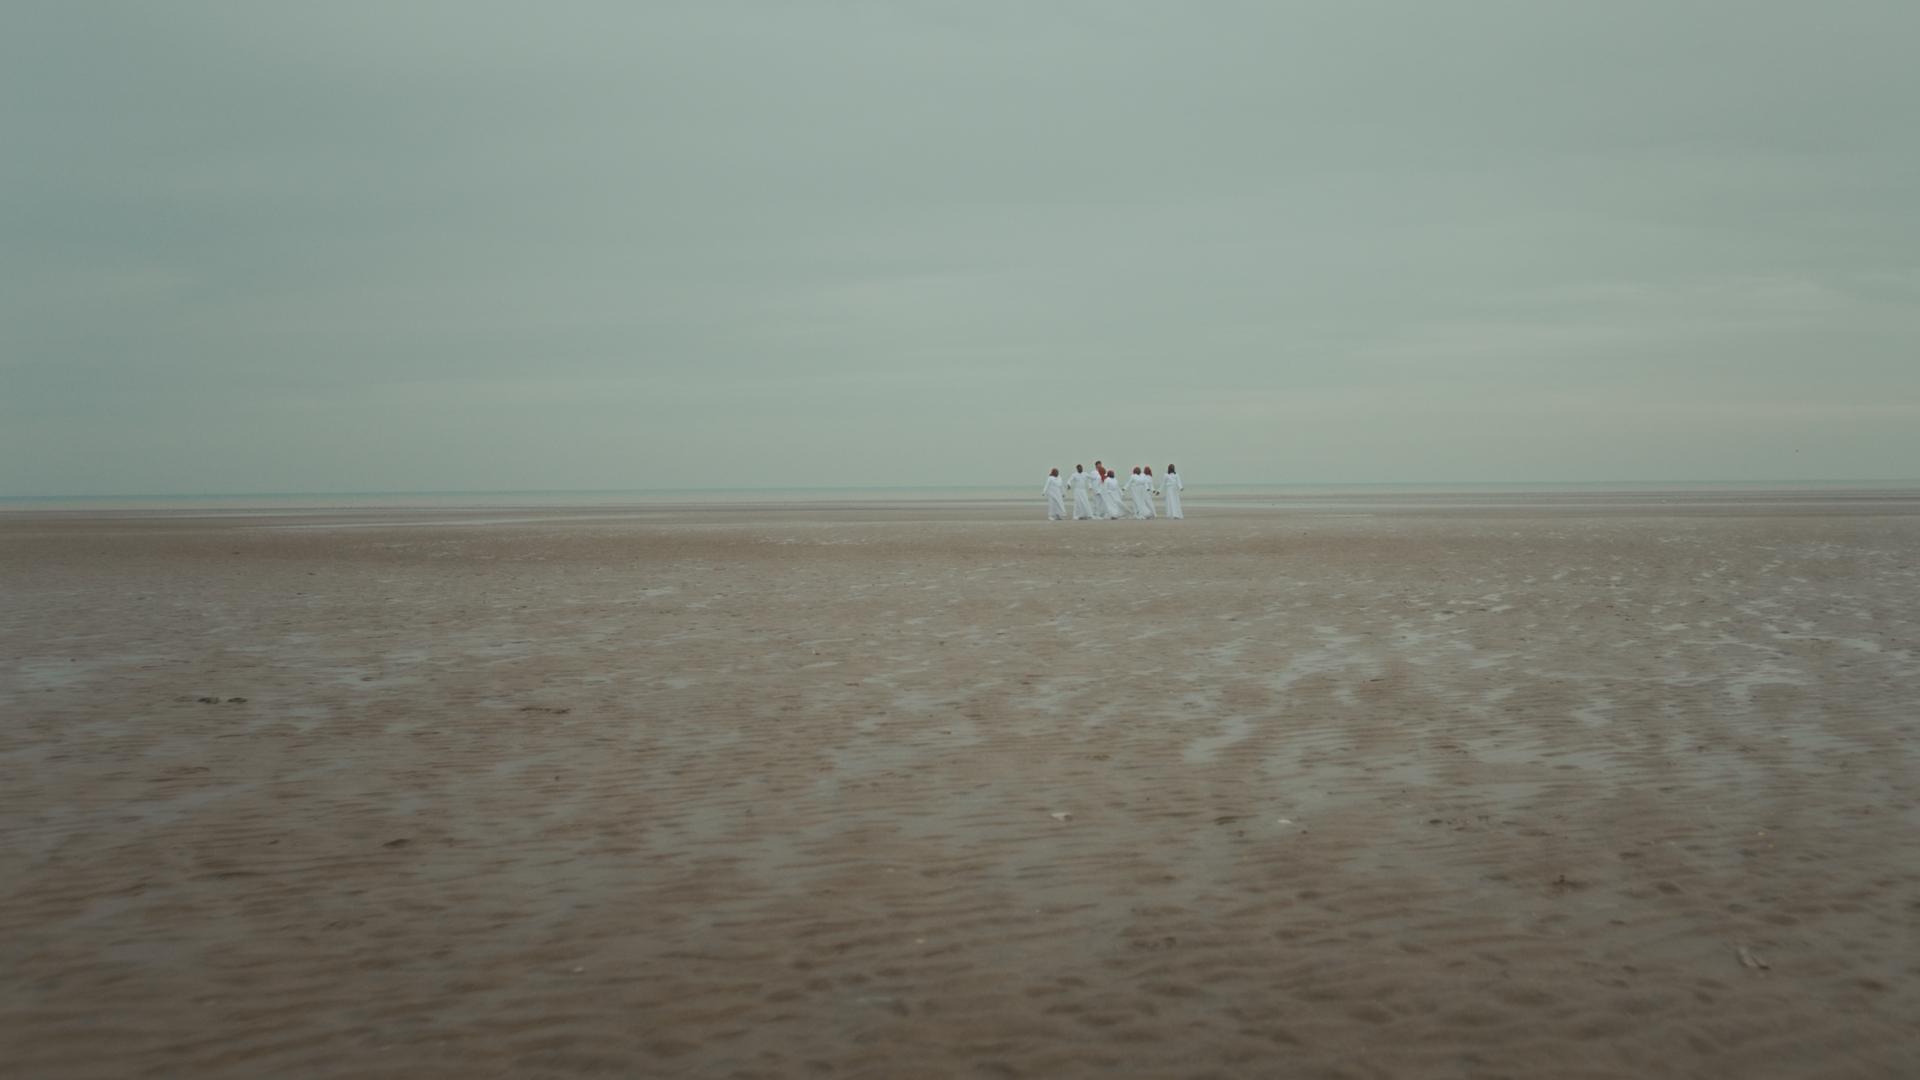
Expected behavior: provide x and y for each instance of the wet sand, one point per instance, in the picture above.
(1392, 789)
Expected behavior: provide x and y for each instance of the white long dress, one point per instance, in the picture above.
(1110, 494)
(1096, 496)
(1150, 493)
(1082, 509)
(1171, 485)
(1056, 505)
(1137, 490)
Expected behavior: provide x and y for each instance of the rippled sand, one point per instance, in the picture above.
(1368, 790)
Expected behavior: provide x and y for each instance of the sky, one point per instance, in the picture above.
(571, 246)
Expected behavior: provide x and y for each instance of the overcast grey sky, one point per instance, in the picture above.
(471, 246)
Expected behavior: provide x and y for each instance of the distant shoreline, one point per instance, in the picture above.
(1276, 496)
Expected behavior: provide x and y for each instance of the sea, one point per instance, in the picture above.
(1805, 494)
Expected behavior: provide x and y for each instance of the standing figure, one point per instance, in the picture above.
(1172, 487)
(1110, 493)
(1151, 491)
(1082, 509)
(1056, 506)
(1134, 484)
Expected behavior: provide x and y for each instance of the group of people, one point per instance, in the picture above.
(1096, 495)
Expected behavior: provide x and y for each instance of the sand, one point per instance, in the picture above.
(1347, 789)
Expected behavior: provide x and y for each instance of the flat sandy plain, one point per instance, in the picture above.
(1400, 788)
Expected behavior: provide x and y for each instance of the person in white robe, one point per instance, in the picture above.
(1134, 483)
(1110, 494)
(1171, 486)
(1081, 478)
(1055, 492)
(1149, 491)
(1097, 493)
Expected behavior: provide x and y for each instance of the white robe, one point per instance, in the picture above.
(1056, 506)
(1110, 494)
(1082, 509)
(1142, 493)
(1171, 484)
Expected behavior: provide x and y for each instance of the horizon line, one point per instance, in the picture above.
(950, 487)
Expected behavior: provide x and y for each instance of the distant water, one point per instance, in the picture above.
(501, 500)
(1196, 495)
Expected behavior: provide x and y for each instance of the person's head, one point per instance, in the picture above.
(1098, 465)
(1136, 470)
(1079, 468)
(1149, 470)
(1053, 472)
(1169, 466)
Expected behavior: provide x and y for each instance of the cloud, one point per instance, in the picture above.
(472, 246)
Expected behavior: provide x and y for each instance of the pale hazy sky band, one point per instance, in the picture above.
(362, 247)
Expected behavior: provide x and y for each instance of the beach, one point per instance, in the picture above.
(1617, 786)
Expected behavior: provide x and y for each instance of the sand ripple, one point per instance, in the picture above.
(888, 793)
